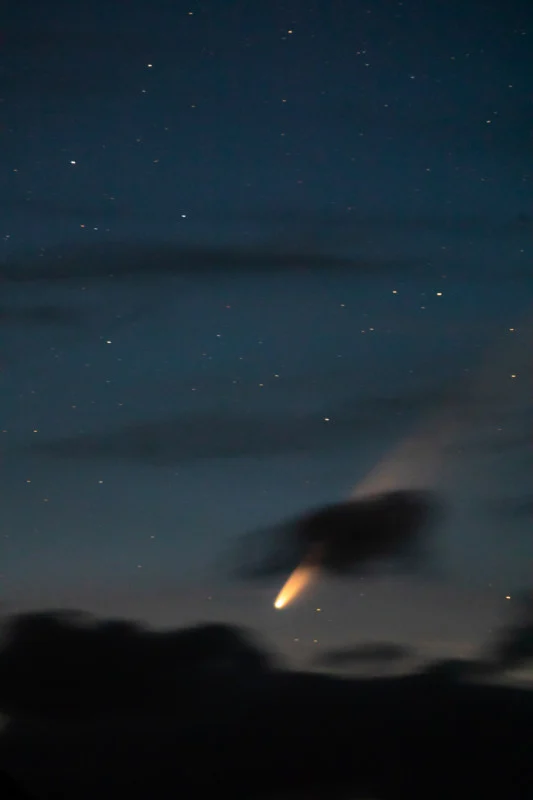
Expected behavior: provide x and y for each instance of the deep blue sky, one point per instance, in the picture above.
(223, 223)
(332, 123)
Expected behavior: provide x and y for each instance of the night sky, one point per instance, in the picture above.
(247, 248)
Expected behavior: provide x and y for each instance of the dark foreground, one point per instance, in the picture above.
(279, 733)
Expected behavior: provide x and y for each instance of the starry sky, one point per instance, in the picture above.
(250, 253)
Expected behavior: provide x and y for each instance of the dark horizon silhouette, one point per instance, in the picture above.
(251, 729)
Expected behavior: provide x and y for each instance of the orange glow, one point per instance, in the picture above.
(296, 583)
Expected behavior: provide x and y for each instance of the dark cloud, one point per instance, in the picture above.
(119, 259)
(344, 537)
(366, 653)
(250, 732)
(207, 435)
(457, 669)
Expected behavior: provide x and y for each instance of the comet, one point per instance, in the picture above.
(295, 584)
(344, 537)
(377, 523)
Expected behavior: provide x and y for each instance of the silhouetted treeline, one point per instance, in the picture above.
(122, 666)
(203, 711)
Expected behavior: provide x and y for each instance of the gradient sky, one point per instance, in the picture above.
(247, 248)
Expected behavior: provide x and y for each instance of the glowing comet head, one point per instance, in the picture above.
(295, 584)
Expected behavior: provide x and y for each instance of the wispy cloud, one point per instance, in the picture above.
(126, 259)
(208, 435)
(364, 653)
